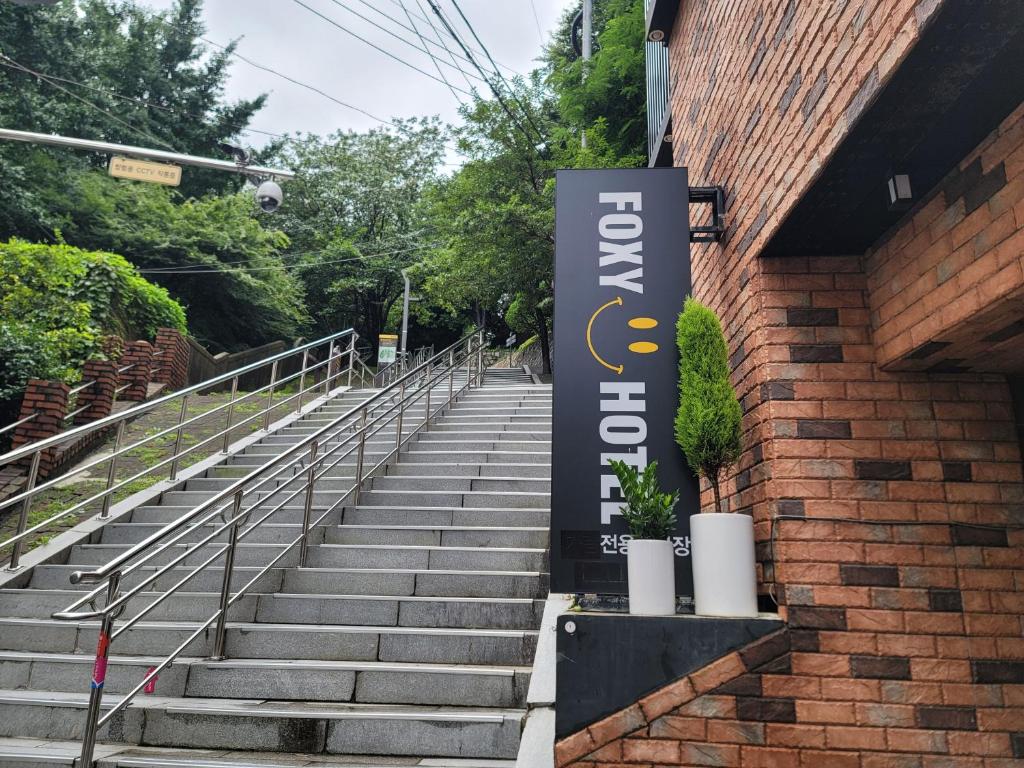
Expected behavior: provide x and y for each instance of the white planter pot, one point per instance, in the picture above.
(652, 577)
(722, 553)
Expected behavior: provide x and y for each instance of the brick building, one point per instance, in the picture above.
(876, 347)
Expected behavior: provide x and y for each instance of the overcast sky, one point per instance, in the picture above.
(283, 35)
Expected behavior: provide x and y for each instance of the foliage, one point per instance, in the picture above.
(151, 74)
(648, 512)
(241, 294)
(354, 219)
(708, 420)
(56, 303)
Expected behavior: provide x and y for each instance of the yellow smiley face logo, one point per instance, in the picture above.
(637, 347)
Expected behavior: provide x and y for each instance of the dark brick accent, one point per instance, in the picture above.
(744, 277)
(1015, 328)
(946, 600)
(716, 147)
(743, 480)
(805, 640)
(947, 718)
(883, 470)
(790, 507)
(823, 429)
(1017, 742)
(988, 185)
(757, 453)
(751, 234)
(744, 685)
(785, 23)
(816, 317)
(870, 575)
(755, 62)
(780, 666)
(864, 96)
(736, 358)
(956, 471)
(880, 667)
(962, 180)
(778, 390)
(787, 96)
(972, 536)
(813, 617)
(927, 349)
(998, 671)
(766, 649)
(814, 95)
(766, 710)
(816, 353)
(754, 119)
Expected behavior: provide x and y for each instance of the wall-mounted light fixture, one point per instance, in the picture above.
(656, 35)
(900, 195)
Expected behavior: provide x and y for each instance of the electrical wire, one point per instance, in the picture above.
(424, 49)
(433, 58)
(536, 20)
(387, 53)
(440, 38)
(138, 131)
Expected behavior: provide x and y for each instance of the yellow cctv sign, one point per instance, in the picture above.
(144, 170)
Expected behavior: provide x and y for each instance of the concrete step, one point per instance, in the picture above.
(391, 556)
(419, 582)
(428, 645)
(496, 499)
(209, 580)
(420, 454)
(441, 469)
(368, 682)
(449, 536)
(299, 727)
(311, 608)
(507, 483)
(392, 515)
(289, 514)
(267, 533)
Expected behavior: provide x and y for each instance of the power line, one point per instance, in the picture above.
(138, 131)
(424, 49)
(373, 45)
(440, 38)
(432, 57)
(536, 20)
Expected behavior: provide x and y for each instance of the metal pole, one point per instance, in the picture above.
(401, 415)
(480, 358)
(177, 438)
(112, 469)
(351, 357)
(231, 413)
(152, 154)
(451, 377)
(359, 453)
(270, 395)
(405, 312)
(26, 505)
(307, 510)
(225, 589)
(99, 676)
(426, 413)
(588, 48)
(302, 379)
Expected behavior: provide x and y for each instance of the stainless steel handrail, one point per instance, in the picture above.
(312, 458)
(19, 422)
(119, 420)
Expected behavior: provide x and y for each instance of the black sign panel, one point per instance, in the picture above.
(622, 271)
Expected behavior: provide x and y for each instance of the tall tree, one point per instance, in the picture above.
(354, 218)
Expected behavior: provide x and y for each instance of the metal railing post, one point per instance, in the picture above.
(26, 506)
(270, 396)
(351, 357)
(231, 413)
(307, 507)
(99, 676)
(401, 417)
(480, 359)
(302, 379)
(177, 437)
(430, 386)
(359, 454)
(451, 377)
(220, 636)
(469, 364)
(112, 469)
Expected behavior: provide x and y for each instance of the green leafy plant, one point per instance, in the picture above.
(648, 512)
(707, 423)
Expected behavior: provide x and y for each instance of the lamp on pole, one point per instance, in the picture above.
(405, 312)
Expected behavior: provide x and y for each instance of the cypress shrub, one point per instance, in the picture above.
(707, 423)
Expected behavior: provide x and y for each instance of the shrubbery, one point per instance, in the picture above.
(57, 303)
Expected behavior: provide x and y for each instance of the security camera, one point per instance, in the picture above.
(269, 196)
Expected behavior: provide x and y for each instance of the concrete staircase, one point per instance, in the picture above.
(507, 377)
(407, 639)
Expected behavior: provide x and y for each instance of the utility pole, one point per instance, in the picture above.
(588, 48)
(405, 312)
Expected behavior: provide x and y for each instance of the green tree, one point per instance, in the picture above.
(355, 220)
(211, 253)
(707, 423)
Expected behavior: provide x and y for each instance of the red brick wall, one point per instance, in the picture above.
(953, 272)
(902, 578)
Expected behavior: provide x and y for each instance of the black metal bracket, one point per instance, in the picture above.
(715, 197)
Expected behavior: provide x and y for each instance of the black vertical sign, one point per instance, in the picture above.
(622, 271)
